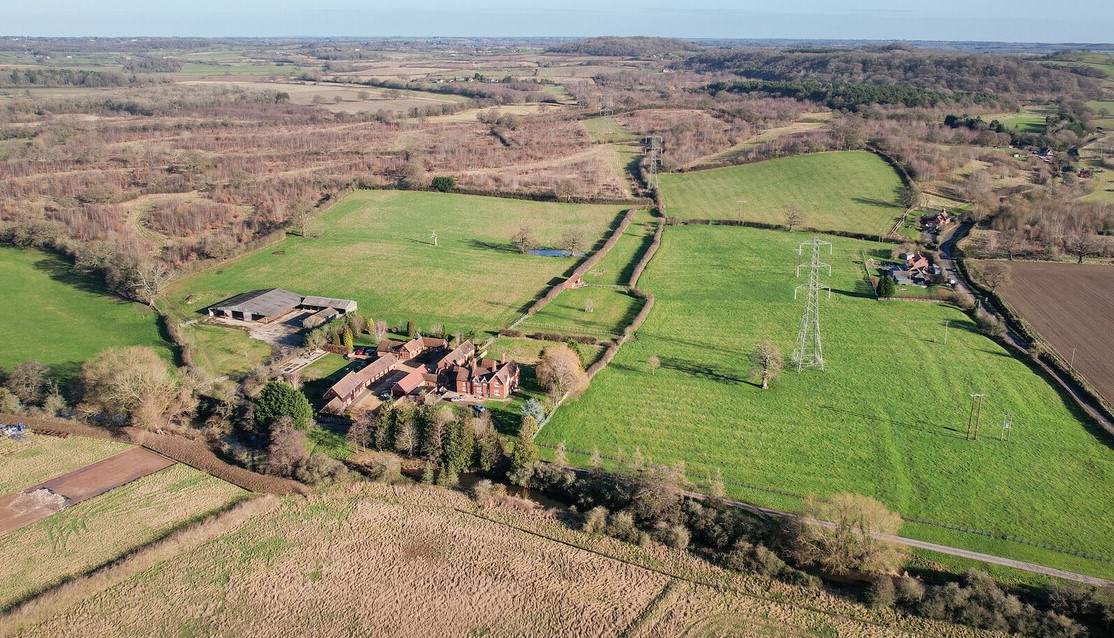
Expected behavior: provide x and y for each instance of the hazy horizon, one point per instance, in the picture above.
(1087, 21)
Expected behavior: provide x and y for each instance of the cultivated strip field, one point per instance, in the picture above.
(887, 417)
(40, 458)
(97, 531)
(1071, 306)
(395, 561)
(40, 501)
(849, 191)
(59, 318)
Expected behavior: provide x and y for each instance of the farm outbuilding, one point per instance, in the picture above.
(265, 306)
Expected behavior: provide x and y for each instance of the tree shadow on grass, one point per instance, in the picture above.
(912, 426)
(61, 271)
(701, 370)
(870, 201)
(498, 247)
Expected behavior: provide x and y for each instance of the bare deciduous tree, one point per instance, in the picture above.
(27, 380)
(565, 189)
(653, 363)
(574, 240)
(379, 329)
(793, 216)
(589, 305)
(1082, 245)
(559, 371)
(994, 274)
(768, 361)
(524, 239)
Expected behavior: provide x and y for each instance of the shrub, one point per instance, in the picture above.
(756, 559)
(510, 332)
(909, 590)
(319, 469)
(621, 525)
(964, 300)
(798, 578)
(595, 521)
(675, 536)
(886, 287)
(882, 594)
(443, 184)
(990, 325)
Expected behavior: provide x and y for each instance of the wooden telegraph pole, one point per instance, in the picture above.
(974, 417)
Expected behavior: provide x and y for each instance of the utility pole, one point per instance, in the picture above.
(946, 331)
(434, 239)
(809, 352)
(1007, 426)
(974, 417)
(1071, 366)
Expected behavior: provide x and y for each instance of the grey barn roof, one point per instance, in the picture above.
(267, 303)
(343, 305)
(273, 302)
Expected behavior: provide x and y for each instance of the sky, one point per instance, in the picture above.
(1082, 21)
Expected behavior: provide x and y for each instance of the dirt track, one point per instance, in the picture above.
(1071, 306)
(36, 503)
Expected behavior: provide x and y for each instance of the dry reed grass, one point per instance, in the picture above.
(365, 559)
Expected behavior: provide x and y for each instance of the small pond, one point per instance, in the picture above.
(553, 252)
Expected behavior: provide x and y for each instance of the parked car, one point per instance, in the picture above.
(479, 409)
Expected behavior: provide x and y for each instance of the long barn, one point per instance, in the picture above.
(265, 306)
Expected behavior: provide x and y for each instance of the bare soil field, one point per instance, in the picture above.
(1071, 306)
(419, 561)
(353, 98)
(40, 501)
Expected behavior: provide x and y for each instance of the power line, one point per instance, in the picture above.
(809, 352)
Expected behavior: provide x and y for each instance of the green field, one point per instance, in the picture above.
(612, 308)
(849, 191)
(59, 318)
(374, 247)
(1104, 113)
(887, 418)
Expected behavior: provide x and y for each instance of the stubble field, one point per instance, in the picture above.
(97, 531)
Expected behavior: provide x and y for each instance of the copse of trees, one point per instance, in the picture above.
(853, 97)
(627, 47)
(900, 66)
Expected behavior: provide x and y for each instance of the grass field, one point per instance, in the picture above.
(54, 316)
(414, 561)
(612, 309)
(95, 532)
(1104, 113)
(374, 247)
(887, 418)
(851, 191)
(40, 458)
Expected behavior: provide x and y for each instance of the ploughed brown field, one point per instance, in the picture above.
(1071, 306)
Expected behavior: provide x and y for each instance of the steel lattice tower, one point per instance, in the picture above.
(653, 159)
(809, 353)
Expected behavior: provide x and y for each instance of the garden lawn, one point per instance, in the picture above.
(846, 190)
(887, 417)
(374, 247)
(52, 315)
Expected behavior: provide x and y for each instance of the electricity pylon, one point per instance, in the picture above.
(653, 159)
(809, 353)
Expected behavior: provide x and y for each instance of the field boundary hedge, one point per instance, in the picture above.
(584, 267)
(885, 237)
(195, 454)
